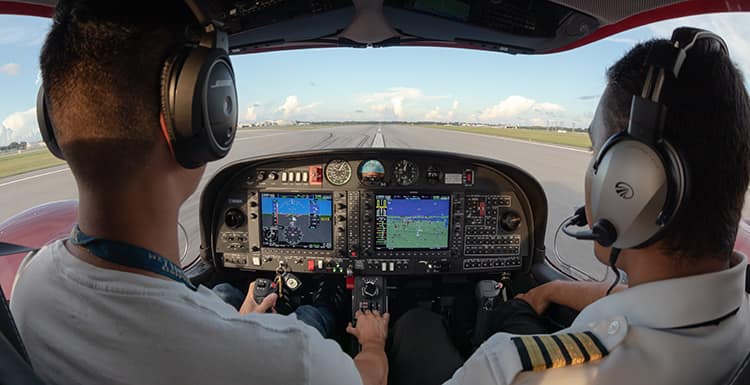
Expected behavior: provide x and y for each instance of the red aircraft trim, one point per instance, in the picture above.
(35, 228)
(686, 8)
(25, 9)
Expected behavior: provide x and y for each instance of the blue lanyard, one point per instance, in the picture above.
(131, 256)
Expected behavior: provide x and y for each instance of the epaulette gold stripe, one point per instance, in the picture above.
(590, 346)
(558, 350)
(537, 359)
(576, 356)
(556, 356)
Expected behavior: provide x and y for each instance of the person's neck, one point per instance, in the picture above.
(140, 216)
(651, 264)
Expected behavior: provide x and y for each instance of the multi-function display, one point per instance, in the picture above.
(296, 220)
(416, 222)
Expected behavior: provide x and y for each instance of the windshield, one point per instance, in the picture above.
(531, 111)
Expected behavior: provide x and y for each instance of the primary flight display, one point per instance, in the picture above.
(297, 220)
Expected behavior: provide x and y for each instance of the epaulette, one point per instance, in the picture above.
(558, 350)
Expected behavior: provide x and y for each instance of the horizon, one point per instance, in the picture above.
(396, 84)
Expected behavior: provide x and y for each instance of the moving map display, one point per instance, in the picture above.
(412, 222)
(296, 220)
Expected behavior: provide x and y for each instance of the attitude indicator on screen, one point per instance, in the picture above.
(296, 220)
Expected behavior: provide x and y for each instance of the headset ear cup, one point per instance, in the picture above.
(677, 173)
(204, 107)
(629, 189)
(168, 84)
(45, 125)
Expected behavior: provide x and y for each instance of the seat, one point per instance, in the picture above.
(742, 375)
(15, 367)
(14, 362)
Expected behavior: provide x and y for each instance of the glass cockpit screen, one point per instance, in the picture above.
(297, 220)
(412, 222)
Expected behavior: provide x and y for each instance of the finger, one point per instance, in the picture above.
(351, 330)
(267, 303)
(358, 314)
(251, 288)
(387, 317)
(376, 313)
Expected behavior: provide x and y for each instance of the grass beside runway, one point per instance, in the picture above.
(573, 139)
(15, 164)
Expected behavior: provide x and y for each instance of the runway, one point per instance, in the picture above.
(560, 170)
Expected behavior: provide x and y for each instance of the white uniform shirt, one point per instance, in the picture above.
(86, 325)
(652, 332)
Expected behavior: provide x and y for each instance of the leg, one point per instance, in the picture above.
(230, 294)
(421, 351)
(319, 317)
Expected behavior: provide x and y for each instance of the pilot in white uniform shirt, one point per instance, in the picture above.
(691, 330)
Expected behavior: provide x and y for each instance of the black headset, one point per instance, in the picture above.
(639, 181)
(198, 102)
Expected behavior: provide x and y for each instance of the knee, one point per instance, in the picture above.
(419, 318)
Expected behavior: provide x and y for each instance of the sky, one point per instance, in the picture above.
(395, 83)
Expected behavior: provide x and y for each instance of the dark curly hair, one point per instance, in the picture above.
(708, 120)
(101, 66)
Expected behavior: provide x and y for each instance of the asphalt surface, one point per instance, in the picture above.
(560, 170)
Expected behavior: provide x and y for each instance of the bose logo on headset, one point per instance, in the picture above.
(641, 155)
(624, 190)
(198, 102)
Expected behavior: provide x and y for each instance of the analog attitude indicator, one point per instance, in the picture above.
(338, 172)
(371, 172)
(405, 172)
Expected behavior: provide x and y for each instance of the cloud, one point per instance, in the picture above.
(10, 69)
(292, 106)
(21, 126)
(437, 115)
(251, 115)
(733, 27)
(395, 101)
(588, 97)
(623, 40)
(518, 109)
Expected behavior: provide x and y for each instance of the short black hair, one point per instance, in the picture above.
(708, 121)
(101, 66)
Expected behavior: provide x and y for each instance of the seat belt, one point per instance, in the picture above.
(7, 325)
(10, 249)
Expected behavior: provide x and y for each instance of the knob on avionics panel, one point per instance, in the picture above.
(490, 236)
(369, 294)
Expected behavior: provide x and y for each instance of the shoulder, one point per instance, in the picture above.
(504, 356)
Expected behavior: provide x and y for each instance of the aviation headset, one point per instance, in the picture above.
(639, 181)
(198, 102)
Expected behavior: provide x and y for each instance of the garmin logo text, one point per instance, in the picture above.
(222, 83)
(624, 190)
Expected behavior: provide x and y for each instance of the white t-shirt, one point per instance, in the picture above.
(87, 325)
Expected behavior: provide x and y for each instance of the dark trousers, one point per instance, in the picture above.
(421, 351)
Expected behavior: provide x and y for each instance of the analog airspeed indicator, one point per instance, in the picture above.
(405, 172)
(338, 172)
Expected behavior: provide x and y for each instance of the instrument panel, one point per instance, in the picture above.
(374, 211)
